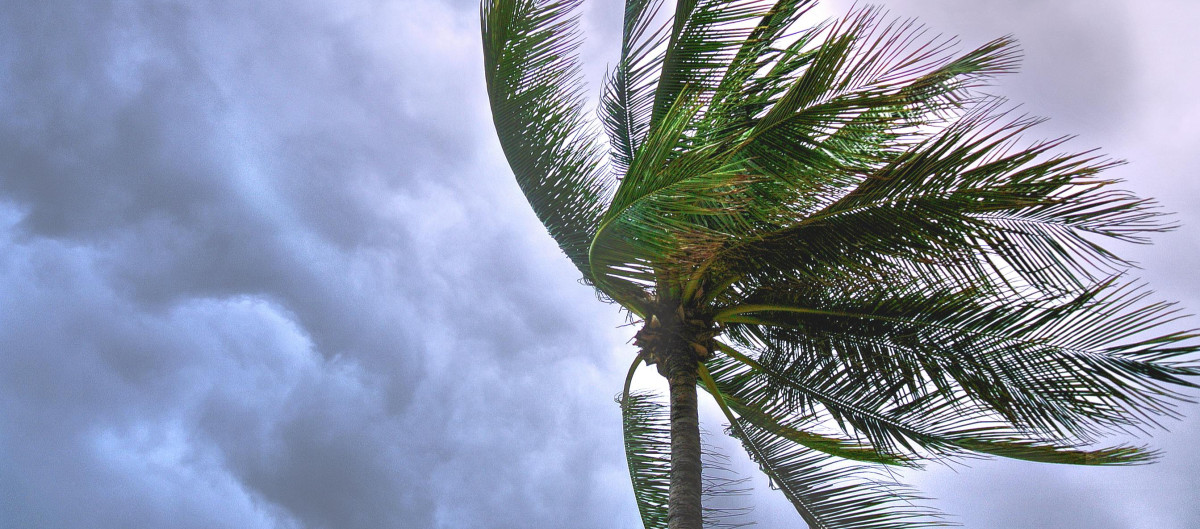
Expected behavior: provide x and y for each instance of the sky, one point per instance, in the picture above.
(263, 265)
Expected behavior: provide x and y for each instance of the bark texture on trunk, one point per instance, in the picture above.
(683, 504)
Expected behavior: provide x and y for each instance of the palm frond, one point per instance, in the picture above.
(1071, 369)
(628, 97)
(650, 220)
(826, 491)
(743, 80)
(647, 431)
(705, 36)
(848, 102)
(931, 426)
(964, 208)
(893, 84)
(535, 90)
(830, 493)
(731, 385)
(647, 434)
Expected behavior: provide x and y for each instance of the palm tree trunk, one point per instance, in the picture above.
(683, 504)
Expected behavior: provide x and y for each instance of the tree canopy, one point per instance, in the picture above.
(870, 260)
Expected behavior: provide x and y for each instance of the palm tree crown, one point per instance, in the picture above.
(834, 233)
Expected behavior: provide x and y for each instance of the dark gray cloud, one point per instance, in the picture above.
(262, 268)
(262, 265)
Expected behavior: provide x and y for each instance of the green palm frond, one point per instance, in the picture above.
(647, 432)
(651, 221)
(833, 107)
(628, 98)
(831, 494)
(742, 79)
(752, 405)
(534, 86)
(933, 426)
(647, 436)
(705, 36)
(827, 492)
(895, 84)
(1065, 371)
(960, 210)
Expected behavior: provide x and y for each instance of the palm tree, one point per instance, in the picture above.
(836, 235)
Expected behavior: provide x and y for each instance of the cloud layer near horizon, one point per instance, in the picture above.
(262, 265)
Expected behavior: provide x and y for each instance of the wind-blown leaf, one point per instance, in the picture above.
(1039, 367)
(735, 394)
(833, 494)
(918, 429)
(533, 84)
(628, 98)
(647, 432)
(705, 36)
